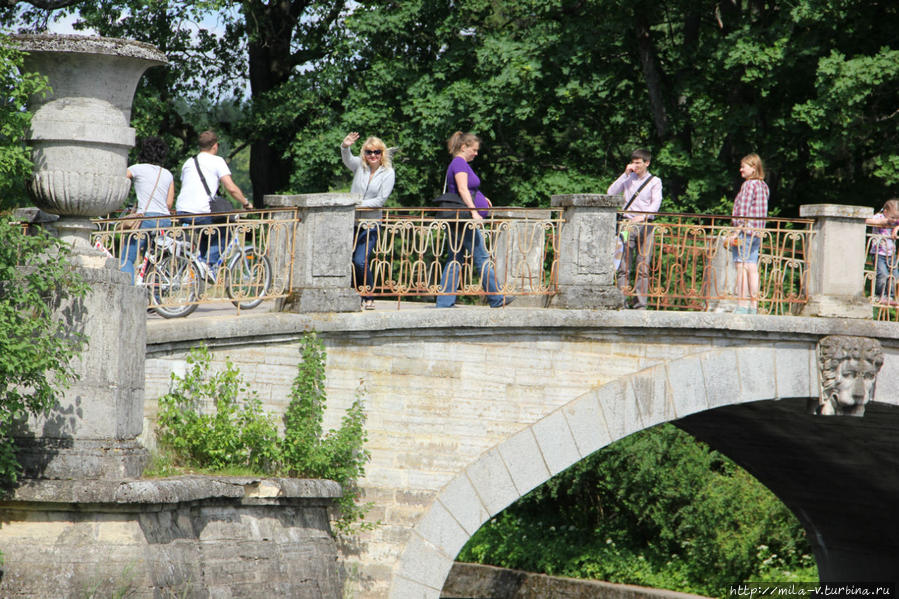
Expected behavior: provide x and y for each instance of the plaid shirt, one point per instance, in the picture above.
(883, 246)
(751, 202)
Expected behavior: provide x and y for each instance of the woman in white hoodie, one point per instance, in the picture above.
(373, 178)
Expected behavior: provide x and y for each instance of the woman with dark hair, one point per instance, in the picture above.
(466, 237)
(154, 187)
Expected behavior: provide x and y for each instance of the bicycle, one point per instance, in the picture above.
(177, 279)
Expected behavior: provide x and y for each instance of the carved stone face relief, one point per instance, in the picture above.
(848, 368)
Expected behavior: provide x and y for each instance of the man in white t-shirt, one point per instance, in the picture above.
(194, 198)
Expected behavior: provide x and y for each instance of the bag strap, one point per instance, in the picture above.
(150, 197)
(636, 193)
(203, 179)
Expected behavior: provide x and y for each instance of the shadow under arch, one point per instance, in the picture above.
(736, 399)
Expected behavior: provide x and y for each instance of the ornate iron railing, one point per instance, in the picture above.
(415, 245)
(882, 275)
(171, 257)
(689, 263)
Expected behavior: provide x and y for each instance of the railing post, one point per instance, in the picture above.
(519, 251)
(322, 272)
(836, 275)
(586, 247)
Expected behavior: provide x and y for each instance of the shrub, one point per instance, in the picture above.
(211, 421)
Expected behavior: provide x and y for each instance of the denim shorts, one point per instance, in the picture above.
(748, 249)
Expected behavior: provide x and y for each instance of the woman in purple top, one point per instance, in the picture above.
(467, 236)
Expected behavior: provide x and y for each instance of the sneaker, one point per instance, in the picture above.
(506, 302)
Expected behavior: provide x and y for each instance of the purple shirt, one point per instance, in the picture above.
(459, 165)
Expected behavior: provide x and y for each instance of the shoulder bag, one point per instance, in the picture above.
(216, 202)
(132, 221)
(454, 200)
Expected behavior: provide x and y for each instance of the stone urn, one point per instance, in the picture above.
(80, 133)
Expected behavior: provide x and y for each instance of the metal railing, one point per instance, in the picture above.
(185, 261)
(882, 275)
(416, 245)
(688, 263)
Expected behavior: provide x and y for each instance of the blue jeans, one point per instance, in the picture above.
(883, 286)
(473, 242)
(748, 249)
(210, 240)
(138, 242)
(365, 240)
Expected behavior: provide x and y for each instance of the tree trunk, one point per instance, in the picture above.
(652, 75)
(270, 31)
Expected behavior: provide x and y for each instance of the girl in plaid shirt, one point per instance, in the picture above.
(885, 224)
(751, 206)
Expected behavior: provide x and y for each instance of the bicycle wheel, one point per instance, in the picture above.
(249, 278)
(173, 284)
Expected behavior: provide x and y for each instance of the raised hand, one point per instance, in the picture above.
(350, 139)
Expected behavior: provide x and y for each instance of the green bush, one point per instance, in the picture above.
(212, 422)
(203, 424)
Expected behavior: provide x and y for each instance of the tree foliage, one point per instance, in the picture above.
(560, 90)
(15, 89)
(657, 508)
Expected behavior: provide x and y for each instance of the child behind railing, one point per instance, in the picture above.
(883, 248)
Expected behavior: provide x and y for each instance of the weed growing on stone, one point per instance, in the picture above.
(213, 423)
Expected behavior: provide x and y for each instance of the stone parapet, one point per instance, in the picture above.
(182, 537)
(477, 581)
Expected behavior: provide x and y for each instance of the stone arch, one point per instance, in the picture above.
(661, 393)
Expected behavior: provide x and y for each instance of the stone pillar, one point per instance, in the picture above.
(836, 276)
(92, 432)
(586, 245)
(321, 275)
(80, 138)
(519, 251)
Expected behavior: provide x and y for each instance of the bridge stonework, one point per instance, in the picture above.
(469, 409)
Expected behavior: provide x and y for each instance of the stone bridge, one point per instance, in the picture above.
(469, 409)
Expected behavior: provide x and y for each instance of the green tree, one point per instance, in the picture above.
(263, 43)
(657, 508)
(15, 160)
(560, 90)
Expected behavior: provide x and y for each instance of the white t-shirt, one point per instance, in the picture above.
(193, 197)
(144, 177)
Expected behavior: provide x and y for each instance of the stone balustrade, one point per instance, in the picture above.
(828, 261)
